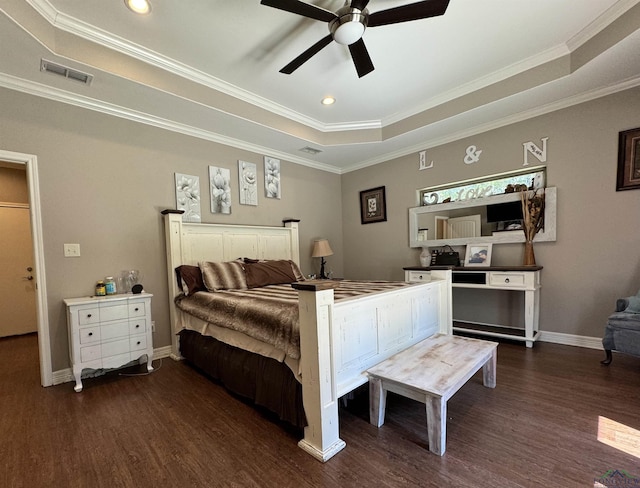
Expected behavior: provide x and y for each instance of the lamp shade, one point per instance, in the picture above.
(321, 248)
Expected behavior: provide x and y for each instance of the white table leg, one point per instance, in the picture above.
(436, 424)
(530, 325)
(489, 370)
(77, 373)
(377, 402)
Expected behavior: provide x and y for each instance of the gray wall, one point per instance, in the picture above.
(596, 256)
(104, 181)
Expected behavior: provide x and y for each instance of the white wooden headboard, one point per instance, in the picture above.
(191, 243)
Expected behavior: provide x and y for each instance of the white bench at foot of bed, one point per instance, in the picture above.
(337, 346)
(431, 372)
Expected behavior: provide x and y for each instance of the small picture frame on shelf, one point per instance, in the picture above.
(478, 255)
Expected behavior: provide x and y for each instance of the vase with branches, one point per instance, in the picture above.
(532, 221)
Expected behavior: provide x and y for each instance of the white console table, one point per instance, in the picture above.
(514, 278)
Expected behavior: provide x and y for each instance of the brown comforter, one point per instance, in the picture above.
(269, 313)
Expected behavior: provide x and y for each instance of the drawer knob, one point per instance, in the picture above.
(506, 280)
(138, 343)
(137, 326)
(90, 334)
(88, 315)
(135, 309)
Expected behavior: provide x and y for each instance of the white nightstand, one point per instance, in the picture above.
(108, 332)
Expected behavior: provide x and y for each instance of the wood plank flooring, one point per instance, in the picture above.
(173, 428)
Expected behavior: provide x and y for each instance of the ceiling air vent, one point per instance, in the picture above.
(310, 150)
(72, 74)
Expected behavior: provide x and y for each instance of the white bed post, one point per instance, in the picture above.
(173, 235)
(446, 299)
(294, 239)
(319, 396)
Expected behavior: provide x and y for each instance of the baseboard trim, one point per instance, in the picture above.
(66, 375)
(571, 340)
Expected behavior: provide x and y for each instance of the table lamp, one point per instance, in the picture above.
(321, 248)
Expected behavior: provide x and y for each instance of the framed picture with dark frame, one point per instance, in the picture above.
(373, 205)
(478, 255)
(628, 160)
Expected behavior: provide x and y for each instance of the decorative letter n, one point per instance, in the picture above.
(540, 154)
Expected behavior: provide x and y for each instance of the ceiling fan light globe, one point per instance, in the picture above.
(348, 33)
(138, 6)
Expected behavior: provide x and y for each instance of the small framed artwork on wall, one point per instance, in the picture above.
(628, 160)
(272, 183)
(188, 197)
(373, 205)
(478, 255)
(247, 183)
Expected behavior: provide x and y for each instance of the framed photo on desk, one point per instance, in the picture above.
(478, 255)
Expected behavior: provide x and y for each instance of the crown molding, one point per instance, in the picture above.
(55, 94)
(483, 82)
(45, 9)
(93, 34)
(106, 39)
(498, 123)
(613, 13)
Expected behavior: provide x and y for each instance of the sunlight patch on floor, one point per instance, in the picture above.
(619, 436)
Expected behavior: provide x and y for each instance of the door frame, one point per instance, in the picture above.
(30, 161)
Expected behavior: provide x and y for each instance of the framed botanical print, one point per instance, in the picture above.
(373, 205)
(628, 160)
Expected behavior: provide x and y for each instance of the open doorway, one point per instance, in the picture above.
(28, 162)
(17, 283)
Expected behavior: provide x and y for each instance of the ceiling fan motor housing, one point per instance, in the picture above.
(349, 25)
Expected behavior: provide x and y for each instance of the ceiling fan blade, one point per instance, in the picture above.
(308, 54)
(301, 8)
(361, 58)
(405, 13)
(359, 4)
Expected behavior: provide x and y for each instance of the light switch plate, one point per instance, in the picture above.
(72, 250)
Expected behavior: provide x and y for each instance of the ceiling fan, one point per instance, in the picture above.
(347, 25)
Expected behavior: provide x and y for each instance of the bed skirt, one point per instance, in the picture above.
(264, 381)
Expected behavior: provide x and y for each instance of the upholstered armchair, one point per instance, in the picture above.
(623, 328)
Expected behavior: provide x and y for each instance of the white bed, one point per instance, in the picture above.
(338, 341)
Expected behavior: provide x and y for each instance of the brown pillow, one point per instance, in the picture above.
(189, 279)
(265, 273)
(294, 267)
(223, 276)
(296, 271)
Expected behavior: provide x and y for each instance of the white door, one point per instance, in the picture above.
(17, 282)
(467, 226)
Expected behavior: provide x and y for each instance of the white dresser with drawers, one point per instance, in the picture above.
(108, 332)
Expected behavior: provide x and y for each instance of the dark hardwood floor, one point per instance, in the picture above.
(175, 428)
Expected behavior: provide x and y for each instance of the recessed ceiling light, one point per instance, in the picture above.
(138, 6)
(328, 101)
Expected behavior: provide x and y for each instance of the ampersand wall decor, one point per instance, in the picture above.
(473, 155)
